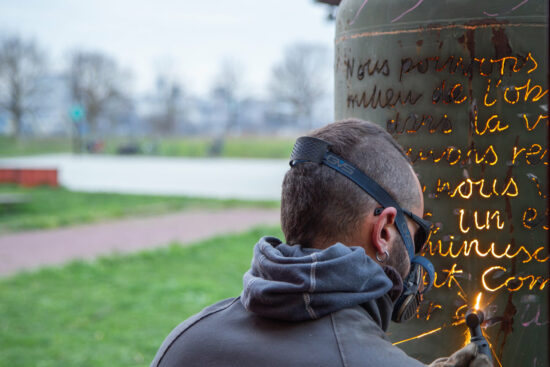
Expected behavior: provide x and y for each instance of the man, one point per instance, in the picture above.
(325, 298)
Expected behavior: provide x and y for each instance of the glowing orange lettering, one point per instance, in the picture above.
(490, 151)
(460, 312)
(461, 222)
(535, 124)
(511, 184)
(535, 66)
(489, 104)
(513, 283)
(516, 153)
(431, 310)
(529, 90)
(499, 224)
(503, 61)
(465, 188)
(453, 155)
(450, 277)
(455, 99)
(466, 247)
(507, 98)
(495, 127)
(530, 221)
(486, 226)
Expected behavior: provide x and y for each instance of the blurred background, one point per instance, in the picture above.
(164, 78)
(142, 150)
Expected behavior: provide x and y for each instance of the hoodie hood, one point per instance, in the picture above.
(293, 283)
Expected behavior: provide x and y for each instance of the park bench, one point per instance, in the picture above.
(29, 177)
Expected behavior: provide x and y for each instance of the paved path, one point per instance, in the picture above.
(30, 250)
(205, 177)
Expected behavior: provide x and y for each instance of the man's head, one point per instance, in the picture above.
(321, 207)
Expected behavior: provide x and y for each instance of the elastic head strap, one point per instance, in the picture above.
(308, 149)
(428, 268)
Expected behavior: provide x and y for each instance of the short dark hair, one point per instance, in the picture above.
(320, 204)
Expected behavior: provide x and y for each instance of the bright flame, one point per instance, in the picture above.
(478, 300)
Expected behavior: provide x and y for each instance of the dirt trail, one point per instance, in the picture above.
(33, 249)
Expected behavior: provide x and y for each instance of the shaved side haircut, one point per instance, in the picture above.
(320, 205)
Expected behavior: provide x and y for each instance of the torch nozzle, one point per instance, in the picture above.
(474, 319)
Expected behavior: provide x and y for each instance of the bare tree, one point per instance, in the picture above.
(22, 70)
(227, 90)
(168, 98)
(228, 82)
(300, 79)
(96, 82)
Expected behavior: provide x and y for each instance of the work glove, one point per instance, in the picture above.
(465, 357)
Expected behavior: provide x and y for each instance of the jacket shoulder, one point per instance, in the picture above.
(362, 342)
(181, 328)
(228, 335)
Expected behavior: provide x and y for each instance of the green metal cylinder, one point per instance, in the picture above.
(463, 87)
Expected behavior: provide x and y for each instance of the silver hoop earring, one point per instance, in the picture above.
(383, 260)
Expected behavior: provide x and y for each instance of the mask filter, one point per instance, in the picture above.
(413, 289)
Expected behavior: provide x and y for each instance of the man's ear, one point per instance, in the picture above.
(384, 231)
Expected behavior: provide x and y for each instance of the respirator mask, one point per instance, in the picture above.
(421, 275)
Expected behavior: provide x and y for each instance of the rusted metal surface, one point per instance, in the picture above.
(463, 86)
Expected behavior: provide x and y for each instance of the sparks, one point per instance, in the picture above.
(492, 350)
(419, 336)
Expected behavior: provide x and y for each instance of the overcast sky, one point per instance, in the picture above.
(188, 37)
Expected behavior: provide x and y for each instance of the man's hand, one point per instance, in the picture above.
(465, 357)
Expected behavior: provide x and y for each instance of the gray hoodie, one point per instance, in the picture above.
(299, 307)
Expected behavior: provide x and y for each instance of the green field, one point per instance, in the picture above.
(235, 147)
(54, 207)
(11, 147)
(245, 147)
(117, 311)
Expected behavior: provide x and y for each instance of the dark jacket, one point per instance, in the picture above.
(299, 307)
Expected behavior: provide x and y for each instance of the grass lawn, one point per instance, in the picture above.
(234, 147)
(116, 311)
(54, 207)
(12, 147)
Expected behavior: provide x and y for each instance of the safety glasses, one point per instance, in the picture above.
(422, 235)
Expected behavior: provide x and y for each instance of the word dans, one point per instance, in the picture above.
(414, 122)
